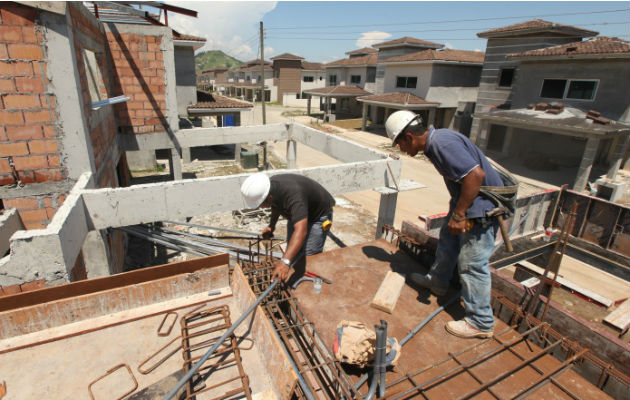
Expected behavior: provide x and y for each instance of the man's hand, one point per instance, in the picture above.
(280, 271)
(456, 227)
(267, 233)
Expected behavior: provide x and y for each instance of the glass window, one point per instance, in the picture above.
(308, 79)
(355, 79)
(409, 82)
(553, 88)
(332, 79)
(506, 77)
(582, 90)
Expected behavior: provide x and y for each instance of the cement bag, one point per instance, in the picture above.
(354, 343)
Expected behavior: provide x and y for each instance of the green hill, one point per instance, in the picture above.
(214, 58)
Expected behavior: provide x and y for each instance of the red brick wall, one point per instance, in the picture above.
(140, 74)
(27, 109)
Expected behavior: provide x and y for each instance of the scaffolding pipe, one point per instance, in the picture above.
(203, 359)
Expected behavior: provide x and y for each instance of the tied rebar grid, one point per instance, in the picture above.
(201, 328)
(322, 375)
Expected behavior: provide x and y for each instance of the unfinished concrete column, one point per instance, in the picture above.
(291, 153)
(386, 212)
(95, 254)
(186, 155)
(507, 139)
(237, 152)
(590, 150)
(482, 139)
(364, 116)
(327, 109)
(431, 117)
(175, 164)
(308, 105)
(616, 155)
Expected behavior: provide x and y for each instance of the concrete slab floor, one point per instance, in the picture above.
(63, 369)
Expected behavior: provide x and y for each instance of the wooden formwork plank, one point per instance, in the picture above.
(620, 317)
(387, 294)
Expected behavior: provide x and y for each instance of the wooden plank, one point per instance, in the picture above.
(568, 284)
(620, 318)
(387, 294)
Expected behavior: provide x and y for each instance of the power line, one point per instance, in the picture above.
(451, 21)
(436, 30)
(430, 39)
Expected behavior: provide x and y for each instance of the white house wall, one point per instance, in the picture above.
(422, 71)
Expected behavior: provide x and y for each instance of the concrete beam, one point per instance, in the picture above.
(49, 253)
(177, 200)
(337, 148)
(10, 223)
(204, 137)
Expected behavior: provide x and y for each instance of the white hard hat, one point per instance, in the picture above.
(255, 189)
(398, 121)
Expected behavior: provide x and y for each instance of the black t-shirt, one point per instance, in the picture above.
(297, 197)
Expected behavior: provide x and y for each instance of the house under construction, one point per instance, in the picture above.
(73, 325)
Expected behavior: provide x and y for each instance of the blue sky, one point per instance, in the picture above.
(323, 31)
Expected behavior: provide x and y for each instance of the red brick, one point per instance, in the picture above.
(31, 117)
(49, 131)
(29, 85)
(11, 117)
(10, 33)
(33, 215)
(13, 149)
(42, 146)
(30, 162)
(3, 134)
(4, 166)
(6, 179)
(7, 86)
(33, 225)
(24, 132)
(61, 199)
(28, 34)
(25, 51)
(47, 175)
(13, 14)
(8, 290)
(26, 176)
(38, 284)
(21, 203)
(53, 160)
(50, 212)
(4, 53)
(21, 101)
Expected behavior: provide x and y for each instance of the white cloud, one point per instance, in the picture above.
(448, 45)
(477, 49)
(367, 39)
(232, 27)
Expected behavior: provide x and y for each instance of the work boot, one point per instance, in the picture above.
(428, 282)
(464, 330)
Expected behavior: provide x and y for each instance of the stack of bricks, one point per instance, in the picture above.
(28, 147)
(36, 212)
(140, 74)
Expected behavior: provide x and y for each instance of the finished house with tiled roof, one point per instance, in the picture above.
(564, 105)
(359, 69)
(292, 75)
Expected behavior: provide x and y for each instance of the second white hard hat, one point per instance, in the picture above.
(398, 121)
(255, 189)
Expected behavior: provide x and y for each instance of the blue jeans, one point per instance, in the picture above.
(315, 237)
(470, 252)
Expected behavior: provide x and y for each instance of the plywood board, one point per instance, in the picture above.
(620, 318)
(387, 294)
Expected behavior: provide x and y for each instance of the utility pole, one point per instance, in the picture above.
(262, 89)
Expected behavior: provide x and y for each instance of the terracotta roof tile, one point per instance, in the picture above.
(370, 59)
(340, 91)
(311, 66)
(365, 50)
(288, 56)
(180, 36)
(536, 25)
(408, 40)
(597, 45)
(396, 98)
(441, 55)
(211, 100)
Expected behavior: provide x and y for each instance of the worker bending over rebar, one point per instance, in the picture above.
(306, 205)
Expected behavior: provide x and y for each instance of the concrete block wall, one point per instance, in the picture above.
(140, 73)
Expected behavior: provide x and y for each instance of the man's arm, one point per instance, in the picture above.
(268, 231)
(470, 189)
(281, 270)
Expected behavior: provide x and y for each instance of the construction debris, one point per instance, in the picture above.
(387, 295)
